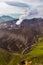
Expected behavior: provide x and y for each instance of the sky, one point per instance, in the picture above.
(17, 8)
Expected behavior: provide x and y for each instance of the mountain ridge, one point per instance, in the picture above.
(22, 37)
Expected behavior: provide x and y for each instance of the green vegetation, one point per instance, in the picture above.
(7, 59)
(35, 55)
(15, 58)
(4, 57)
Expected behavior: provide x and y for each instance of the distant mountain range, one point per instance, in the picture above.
(5, 18)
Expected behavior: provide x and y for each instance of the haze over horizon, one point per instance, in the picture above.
(15, 8)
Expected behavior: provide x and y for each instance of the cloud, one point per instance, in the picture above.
(35, 7)
(18, 4)
(7, 9)
(33, 12)
(27, 14)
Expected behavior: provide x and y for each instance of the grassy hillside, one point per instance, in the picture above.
(4, 57)
(36, 53)
(7, 59)
(15, 58)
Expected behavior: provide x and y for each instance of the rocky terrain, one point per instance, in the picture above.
(20, 38)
